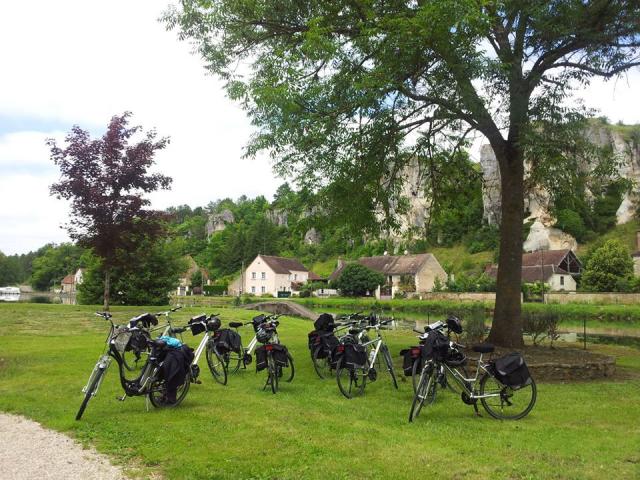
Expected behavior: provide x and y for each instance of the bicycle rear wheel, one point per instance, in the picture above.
(507, 404)
(322, 366)
(425, 392)
(351, 379)
(90, 391)
(272, 370)
(217, 364)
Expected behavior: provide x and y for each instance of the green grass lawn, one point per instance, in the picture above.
(308, 430)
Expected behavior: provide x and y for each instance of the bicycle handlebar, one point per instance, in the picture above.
(105, 315)
(178, 330)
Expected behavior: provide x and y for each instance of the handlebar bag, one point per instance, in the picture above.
(435, 347)
(512, 371)
(257, 321)
(196, 325)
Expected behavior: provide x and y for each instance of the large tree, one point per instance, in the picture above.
(106, 179)
(348, 91)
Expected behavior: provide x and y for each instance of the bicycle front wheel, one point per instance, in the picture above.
(351, 379)
(217, 364)
(505, 403)
(158, 393)
(90, 391)
(425, 391)
(389, 362)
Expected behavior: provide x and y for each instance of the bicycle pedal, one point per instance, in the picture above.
(198, 382)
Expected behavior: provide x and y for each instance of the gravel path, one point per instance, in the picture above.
(28, 451)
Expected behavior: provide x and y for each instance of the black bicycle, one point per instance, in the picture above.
(151, 382)
(272, 355)
(503, 386)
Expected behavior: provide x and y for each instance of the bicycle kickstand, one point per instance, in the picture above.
(475, 407)
(122, 398)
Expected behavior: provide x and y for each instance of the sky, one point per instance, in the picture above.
(81, 62)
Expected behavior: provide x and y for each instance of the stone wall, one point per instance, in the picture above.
(592, 370)
(458, 297)
(596, 298)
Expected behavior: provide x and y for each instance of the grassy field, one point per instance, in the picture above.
(308, 430)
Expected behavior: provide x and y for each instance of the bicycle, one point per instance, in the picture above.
(358, 356)
(141, 332)
(243, 357)
(504, 394)
(273, 356)
(149, 383)
(323, 342)
(209, 326)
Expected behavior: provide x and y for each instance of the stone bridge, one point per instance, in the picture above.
(283, 308)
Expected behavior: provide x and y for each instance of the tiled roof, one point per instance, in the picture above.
(69, 279)
(283, 265)
(546, 257)
(396, 265)
(314, 276)
(531, 274)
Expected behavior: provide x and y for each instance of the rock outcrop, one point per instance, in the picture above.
(219, 221)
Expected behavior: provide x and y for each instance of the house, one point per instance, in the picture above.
(70, 282)
(557, 268)
(276, 276)
(184, 283)
(408, 273)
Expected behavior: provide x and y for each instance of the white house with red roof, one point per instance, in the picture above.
(269, 275)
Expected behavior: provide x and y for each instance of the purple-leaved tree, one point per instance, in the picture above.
(106, 179)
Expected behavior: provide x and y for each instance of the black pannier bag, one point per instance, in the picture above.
(314, 340)
(257, 321)
(324, 322)
(435, 347)
(511, 370)
(327, 343)
(261, 358)
(279, 353)
(355, 355)
(409, 355)
(227, 340)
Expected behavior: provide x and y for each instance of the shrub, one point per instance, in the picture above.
(356, 280)
(609, 269)
(218, 289)
(541, 325)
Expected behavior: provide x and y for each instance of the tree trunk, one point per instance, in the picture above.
(107, 288)
(506, 329)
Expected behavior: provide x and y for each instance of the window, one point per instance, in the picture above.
(561, 280)
(253, 289)
(263, 289)
(263, 276)
(253, 275)
(295, 276)
(289, 276)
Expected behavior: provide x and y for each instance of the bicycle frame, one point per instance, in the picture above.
(468, 385)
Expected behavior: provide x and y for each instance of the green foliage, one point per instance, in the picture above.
(608, 269)
(471, 283)
(541, 325)
(485, 238)
(14, 268)
(356, 280)
(143, 276)
(218, 289)
(572, 223)
(54, 264)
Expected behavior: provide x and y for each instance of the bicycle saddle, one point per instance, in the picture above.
(483, 348)
(235, 324)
